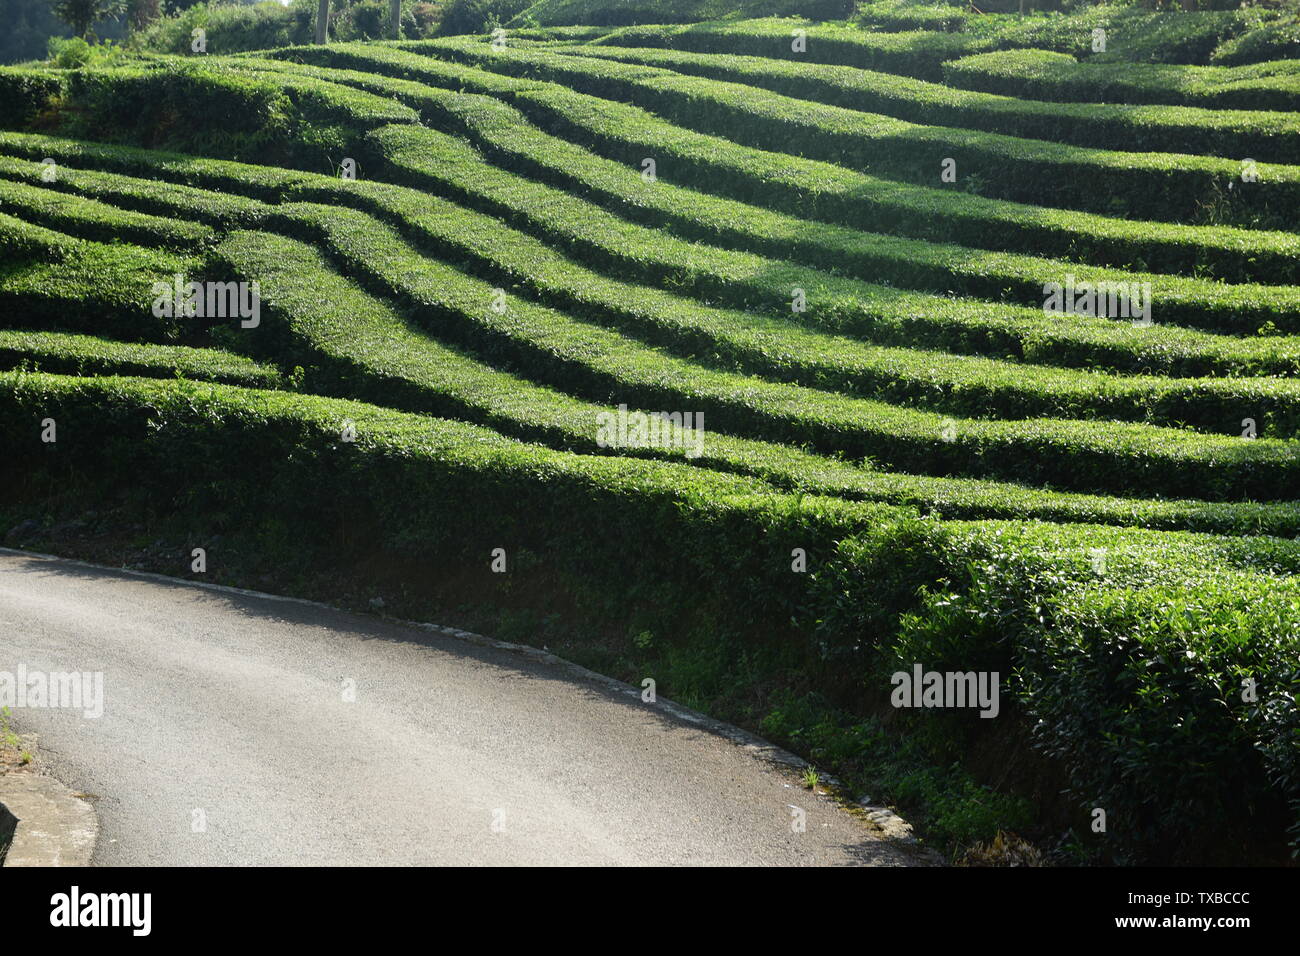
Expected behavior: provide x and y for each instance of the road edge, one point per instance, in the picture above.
(890, 828)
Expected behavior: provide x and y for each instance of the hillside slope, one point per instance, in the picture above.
(706, 328)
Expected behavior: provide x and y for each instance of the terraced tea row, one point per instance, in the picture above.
(515, 406)
(360, 346)
(804, 188)
(875, 312)
(1029, 73)
(509, 139)
(1272, 137)
(575, 355)
(84, 355)
(888, 372)
(374, 345)
(52, 279)
(757, 351)
(1049, 75)
(839, 194)
(444, 342)
(1162, 186)
(920, 50)
(917, 53)
(1192, 593)
(749, 342)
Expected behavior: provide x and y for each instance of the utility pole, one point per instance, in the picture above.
(323, 22)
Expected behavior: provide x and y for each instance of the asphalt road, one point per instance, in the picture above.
(227, 739)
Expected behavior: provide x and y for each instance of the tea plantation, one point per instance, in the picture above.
(977, 348)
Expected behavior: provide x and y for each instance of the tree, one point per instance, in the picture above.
(81, 15)
(142, 13)
(395, 18)
(323, 22)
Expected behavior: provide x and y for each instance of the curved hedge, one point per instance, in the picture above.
(1246, 131)
(491, 271)
(84, 286)
(357, 346)
(214, 108)
(506, 136)
(70, 354)
(91, 219)
(882, 315)
(1127, 674)
(1043, 74)
(832, 193)
(1167, 187)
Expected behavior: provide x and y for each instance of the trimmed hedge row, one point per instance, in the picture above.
(1132, 36)
(228, 202)
(876, 313)
(70, 354)
(572, 33)
(203, 210)
(1161, 186)
(21, 242)
(355, 345)
(880, 313)
(1043, 74)
(215, 108)
(604, 13)
(509, 138)
(778, 348)
(25, 93)
(1123, 675)
(1133, 554)
(823, 191)
(437, 162)
(596, 360)
(91, 219)
(1131, 675)
(919, 53)
(1078, 455)
(262, 182)
(88, 286)
(393, 200)
(1238, 133)
(445, 225)
(352, 344)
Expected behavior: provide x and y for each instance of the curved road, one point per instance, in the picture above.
(226, 738)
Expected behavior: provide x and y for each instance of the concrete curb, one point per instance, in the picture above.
(52, 826)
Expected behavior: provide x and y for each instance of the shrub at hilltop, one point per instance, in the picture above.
(231, 29)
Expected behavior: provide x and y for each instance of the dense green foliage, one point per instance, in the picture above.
(258, 26)
(1147, 184)
(71, 354)
(624, 12)
(1182, 600)
(832, 192)
(231, 28)
(1268, 137)
(29, 25)
(1045, 75)
(1101, 510)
